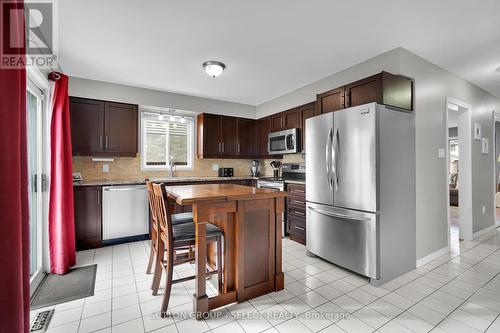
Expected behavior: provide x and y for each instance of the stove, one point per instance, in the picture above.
(290, 172)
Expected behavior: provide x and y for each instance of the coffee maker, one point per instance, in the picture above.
(255, 168)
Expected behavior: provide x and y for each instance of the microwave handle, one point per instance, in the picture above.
(290, 142)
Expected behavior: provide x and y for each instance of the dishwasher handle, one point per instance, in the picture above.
(123, 188)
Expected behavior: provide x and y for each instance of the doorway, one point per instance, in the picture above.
(459, 172)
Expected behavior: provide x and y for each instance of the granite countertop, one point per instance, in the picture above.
(165, 180)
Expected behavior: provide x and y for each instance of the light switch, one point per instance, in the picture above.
(105, 168)
(215, 167)
(441, 153)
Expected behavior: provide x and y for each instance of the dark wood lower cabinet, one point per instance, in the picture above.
(296, 212)
(88, 217)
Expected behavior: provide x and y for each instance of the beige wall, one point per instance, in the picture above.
(129, 168)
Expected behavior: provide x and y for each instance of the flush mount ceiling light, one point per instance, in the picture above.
(498, 70)
(213, 68)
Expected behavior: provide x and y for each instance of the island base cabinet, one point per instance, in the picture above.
(252, 246)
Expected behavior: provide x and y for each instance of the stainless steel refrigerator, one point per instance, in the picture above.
(360, 190)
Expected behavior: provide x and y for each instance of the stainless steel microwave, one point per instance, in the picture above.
(283, 142)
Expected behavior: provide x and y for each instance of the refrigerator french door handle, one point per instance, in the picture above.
(341, 216)
(328, 158)
(337, 159)
(335, 162)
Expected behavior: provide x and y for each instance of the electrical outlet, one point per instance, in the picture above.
(215, 167)
(484, 209)
(105, 168)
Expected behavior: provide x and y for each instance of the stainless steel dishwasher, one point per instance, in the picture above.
(125, 211)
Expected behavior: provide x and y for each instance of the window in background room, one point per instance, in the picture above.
(162, 138)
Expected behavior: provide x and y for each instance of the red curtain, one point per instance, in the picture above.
(61, 217)
(14, 220)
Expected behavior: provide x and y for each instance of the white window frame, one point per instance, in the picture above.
(191, 139)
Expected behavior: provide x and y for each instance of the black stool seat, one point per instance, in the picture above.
(186, 231)
(182, 218)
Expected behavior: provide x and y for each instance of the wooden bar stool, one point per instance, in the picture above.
(176, 219)
(175, 236)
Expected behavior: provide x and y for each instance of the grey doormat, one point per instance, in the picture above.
(54, 289)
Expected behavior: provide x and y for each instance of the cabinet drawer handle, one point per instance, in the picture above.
(300, 228)
(107, 142)
(297, 191)
(298, 213)
(297, 202)
(223, 147)
(100, 141)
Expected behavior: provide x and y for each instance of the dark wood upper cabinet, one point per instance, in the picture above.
(87, 126)
(120, 128)
(217, 136)
(101, 128)
(262, 130)
(330, 101)
(306, 111)
(229, 136)
(285, 120)
(277, 123)
(246, 141)
(209, 142)
(88, 222)
(383, 88)
(291, 118)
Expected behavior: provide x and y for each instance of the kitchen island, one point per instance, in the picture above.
(251, 220)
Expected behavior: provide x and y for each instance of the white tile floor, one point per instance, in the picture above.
(458, 292)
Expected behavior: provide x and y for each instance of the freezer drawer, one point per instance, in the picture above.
(344, 237)
(125, 211)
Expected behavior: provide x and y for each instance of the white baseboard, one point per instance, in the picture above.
(432, 256)
(484, 231)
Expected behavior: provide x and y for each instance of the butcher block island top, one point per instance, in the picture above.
(189, 194)
(251, 220)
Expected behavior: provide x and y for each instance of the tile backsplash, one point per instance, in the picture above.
(129, 168)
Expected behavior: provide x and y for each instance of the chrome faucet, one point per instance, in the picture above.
(172, 166)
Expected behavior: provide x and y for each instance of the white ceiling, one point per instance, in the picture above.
(270, 47)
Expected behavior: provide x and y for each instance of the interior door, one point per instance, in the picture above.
(319, 141)
(355, 158)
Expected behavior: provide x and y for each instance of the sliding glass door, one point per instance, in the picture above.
(34, 114)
